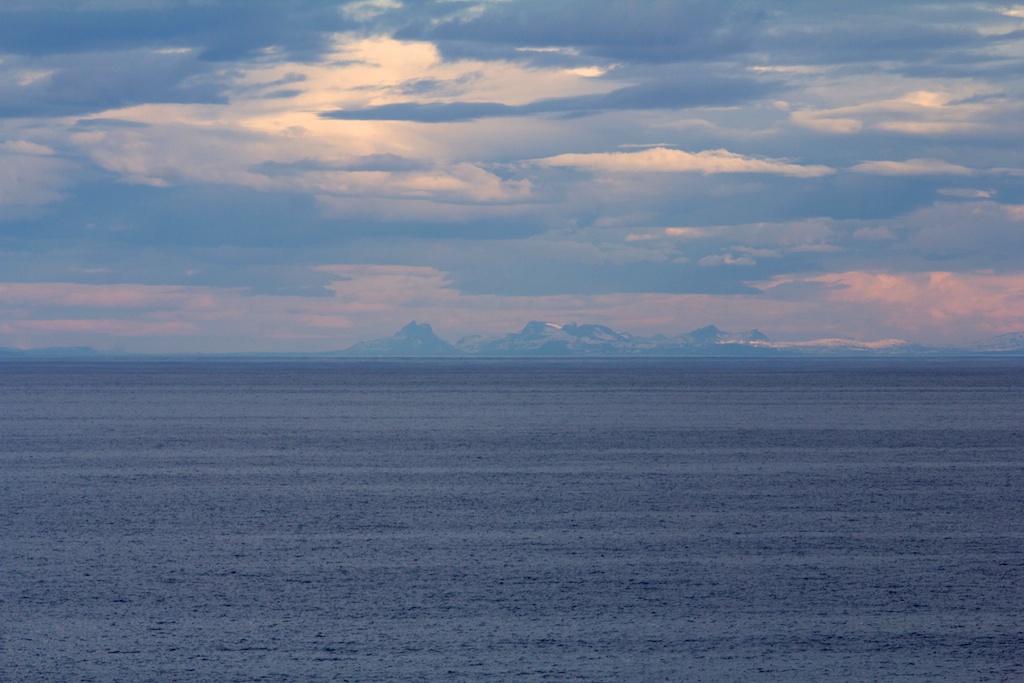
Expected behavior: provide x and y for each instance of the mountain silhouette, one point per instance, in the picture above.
(414, 339)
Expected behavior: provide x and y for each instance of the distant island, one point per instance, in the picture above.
(540, 339)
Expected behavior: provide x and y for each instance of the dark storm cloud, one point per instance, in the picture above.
(634, 30)
(679, 93)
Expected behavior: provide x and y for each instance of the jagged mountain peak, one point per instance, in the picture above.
(415, 339)
(594, 332)
(708, 334)
(416, 330)
(536, 328)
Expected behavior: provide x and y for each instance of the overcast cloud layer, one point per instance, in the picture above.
(268, 176)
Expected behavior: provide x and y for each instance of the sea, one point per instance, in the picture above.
(239, 520)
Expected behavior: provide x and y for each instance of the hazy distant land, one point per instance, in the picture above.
(540, 339)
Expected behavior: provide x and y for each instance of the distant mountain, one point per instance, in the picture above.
(412, 340)
(549, 339)
(1005, 344)
(539, 339)
(710, 340)
(848, 347)
(709, 335)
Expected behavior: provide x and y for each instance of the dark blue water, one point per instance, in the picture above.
(475, 520)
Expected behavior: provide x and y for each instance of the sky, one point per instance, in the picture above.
(301, 175)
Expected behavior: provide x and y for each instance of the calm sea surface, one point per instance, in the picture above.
(512, 520)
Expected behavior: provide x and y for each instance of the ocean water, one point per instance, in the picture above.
(734, 520)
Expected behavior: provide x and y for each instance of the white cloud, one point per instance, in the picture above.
(912, 167)
(761, 239)
(826, 124)
(365, 10)
(966, 193)
(25, 147)
(690, 233)
(423, 178)
(223, 144)
(663, 160)
(30, 180)
(918, 112)
(727, 260)
(673, 233)
(876, 233)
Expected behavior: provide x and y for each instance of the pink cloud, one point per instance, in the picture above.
(121, 328)
(935, 306)
(664, 160)
(103, 296)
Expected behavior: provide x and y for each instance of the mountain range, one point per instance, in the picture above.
(547, 339)
(539, 339)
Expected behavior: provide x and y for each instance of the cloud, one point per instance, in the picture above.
(458, 183)
(912, 167)
(966, 193)
(367, 10)
(369, 300)
(853, 37)
(433, 112)
(827, 122)
(101, 327)
(978, 234)
(216, 29)
(636, 30)
(386, 163)
(104, 296)
(160, 318)
(375, 300)
(727, 260)
(965, 109)
(879, 232)
(589, 158)
(31, 175)
(662, 160)
(934, 306)
(677, 93)
(78, 58)
(99, 81)
(167, 317)
(25, 147)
